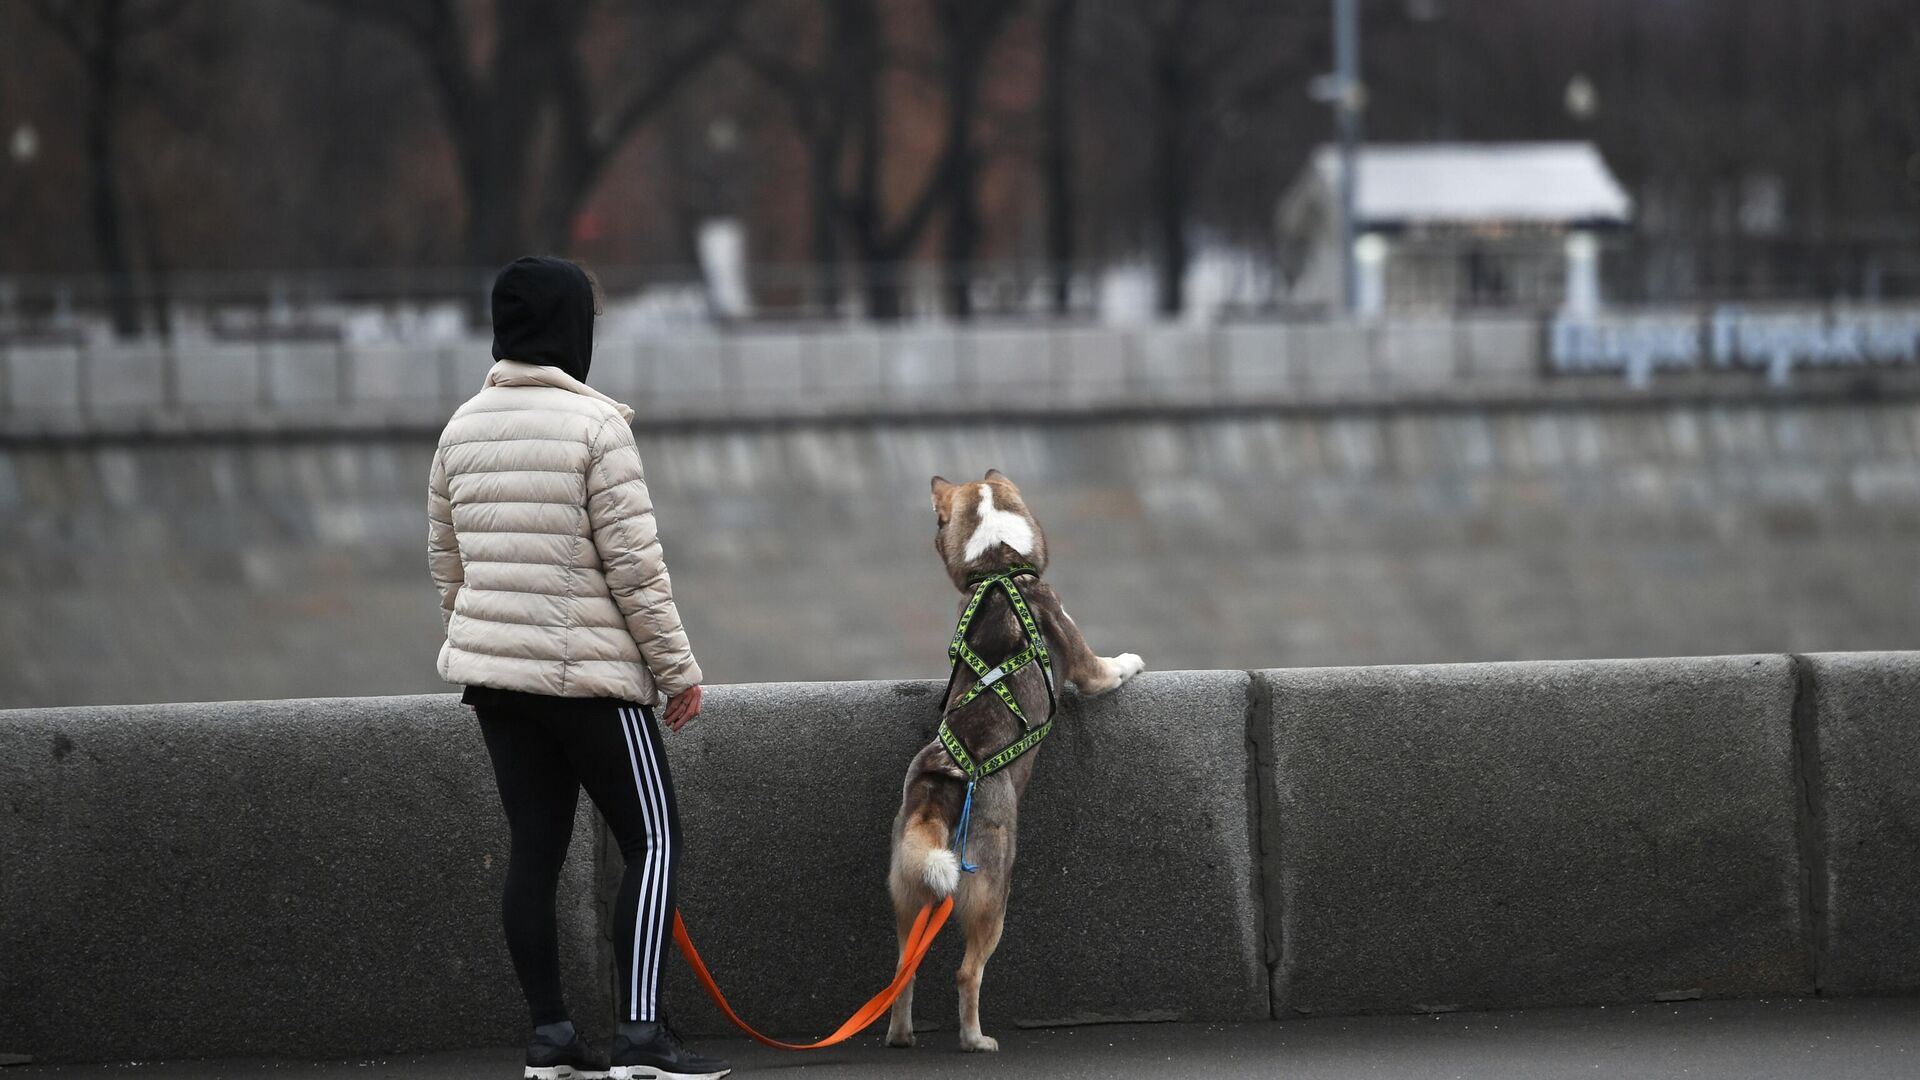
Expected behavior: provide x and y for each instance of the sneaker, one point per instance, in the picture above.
(660, 1055)
(574, 1061)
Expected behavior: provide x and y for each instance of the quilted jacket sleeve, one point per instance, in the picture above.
(443, 550)
(620, 513)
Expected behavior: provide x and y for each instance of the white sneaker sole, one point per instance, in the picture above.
(563, 1072)
(648, 1072)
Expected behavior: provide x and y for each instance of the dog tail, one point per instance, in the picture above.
(923, 859)
(941, 871)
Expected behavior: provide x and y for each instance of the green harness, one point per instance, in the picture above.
(997, 677)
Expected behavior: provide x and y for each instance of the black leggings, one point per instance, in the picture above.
(541, 758)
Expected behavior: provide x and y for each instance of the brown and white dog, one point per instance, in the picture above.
(984, 527)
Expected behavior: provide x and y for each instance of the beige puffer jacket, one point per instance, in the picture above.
(542, 542)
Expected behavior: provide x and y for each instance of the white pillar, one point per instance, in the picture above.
(1583, 275)
(722, 244)
(1370, 253)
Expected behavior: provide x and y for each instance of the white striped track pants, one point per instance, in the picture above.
(542, 757)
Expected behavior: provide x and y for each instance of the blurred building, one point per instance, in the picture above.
(1449, 225)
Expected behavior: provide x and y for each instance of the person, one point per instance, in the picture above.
(560, 623)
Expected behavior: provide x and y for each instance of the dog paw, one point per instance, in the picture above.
(1125, 666)
(978, 1044)
(901, 1039)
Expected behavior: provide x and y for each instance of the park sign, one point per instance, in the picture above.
(1732, 338)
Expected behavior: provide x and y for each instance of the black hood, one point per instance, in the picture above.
(543, 314)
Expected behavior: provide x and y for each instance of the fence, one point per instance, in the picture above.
(1471, 273)
(704, 374)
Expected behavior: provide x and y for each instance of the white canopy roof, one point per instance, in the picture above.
(1469, 183)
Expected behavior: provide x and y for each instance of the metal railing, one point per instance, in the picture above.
(1465, 274)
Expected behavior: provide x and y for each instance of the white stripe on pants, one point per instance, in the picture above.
(650, 919)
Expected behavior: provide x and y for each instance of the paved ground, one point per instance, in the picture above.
(1778, 1040)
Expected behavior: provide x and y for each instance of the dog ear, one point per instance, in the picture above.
(996, 474)
(940, 489)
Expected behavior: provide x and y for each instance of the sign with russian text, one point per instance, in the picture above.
(1732, 339)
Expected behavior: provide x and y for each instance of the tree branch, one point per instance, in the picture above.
(800, 89)
(435, 31)
(65, 20)
(611, 130)
(144, 20)
(900, 237)
(415, 21)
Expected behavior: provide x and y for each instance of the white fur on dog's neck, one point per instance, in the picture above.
(998, 527)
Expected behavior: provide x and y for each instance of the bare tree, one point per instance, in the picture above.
(881, 244)
(493, 109)
(1202, 63)
(968, 29)
(819, 99)
(839, 104)
(98, 32)
(591, 134)
(1057, 154)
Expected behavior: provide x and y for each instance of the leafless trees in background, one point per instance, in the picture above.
(1056, 155)
(838, 92)
(536, 72)
(1768, 142)
(839, 99)
(1194, 72)
(99, 32)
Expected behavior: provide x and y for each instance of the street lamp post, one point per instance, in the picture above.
(1349, 98)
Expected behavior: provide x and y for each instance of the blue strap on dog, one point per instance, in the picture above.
(960, 833)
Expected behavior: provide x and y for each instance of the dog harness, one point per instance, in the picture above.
(997, 679)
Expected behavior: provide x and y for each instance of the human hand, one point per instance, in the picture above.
(682, 707)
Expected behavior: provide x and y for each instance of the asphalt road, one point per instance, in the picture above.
(1745, 1040)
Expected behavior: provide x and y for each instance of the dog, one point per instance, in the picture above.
(984, 528)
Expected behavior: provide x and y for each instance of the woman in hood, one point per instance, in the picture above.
(561, 625)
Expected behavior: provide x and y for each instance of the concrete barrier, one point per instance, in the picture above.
(917, 369)
(1256, 363)
(1134, 891)
(293, 878)
(224, 376)
(385, 375)
(320, 877)
(806, 373)
(43, 378)
(123, 378)
(1492, 835)
(1004, 356)
(305, 376)
(1863, 723)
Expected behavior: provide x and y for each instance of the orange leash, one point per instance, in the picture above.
(925, 926)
